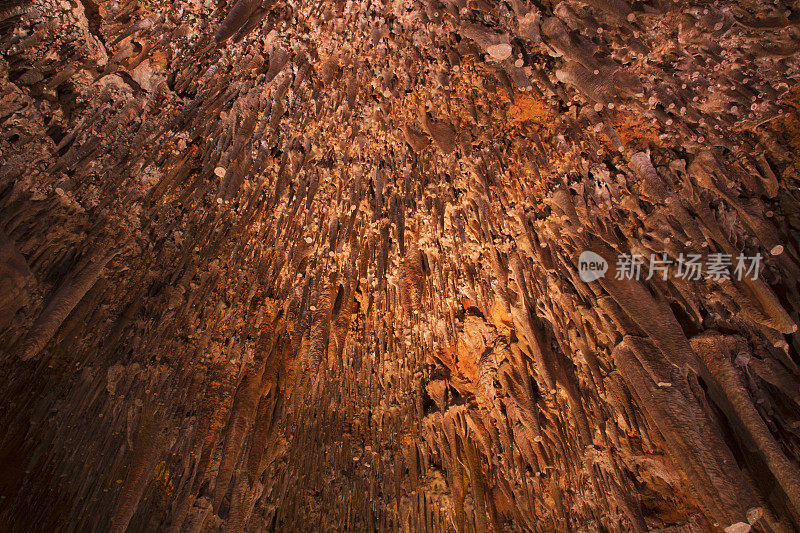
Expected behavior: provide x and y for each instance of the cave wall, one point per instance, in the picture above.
(314, 266)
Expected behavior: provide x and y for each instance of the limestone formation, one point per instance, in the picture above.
(317, 266)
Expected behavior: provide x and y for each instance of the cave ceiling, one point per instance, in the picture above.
(391, 265)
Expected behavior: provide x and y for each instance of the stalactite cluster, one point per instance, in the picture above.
(271, 265)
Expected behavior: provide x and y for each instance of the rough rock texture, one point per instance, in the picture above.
(309, 266)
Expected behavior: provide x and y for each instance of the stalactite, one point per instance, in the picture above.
(378, 266)
(60, 304)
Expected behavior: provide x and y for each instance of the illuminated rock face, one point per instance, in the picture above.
(420, 266)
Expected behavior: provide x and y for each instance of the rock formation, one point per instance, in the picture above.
(272, 265)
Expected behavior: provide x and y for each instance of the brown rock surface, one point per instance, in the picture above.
(314, 266)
